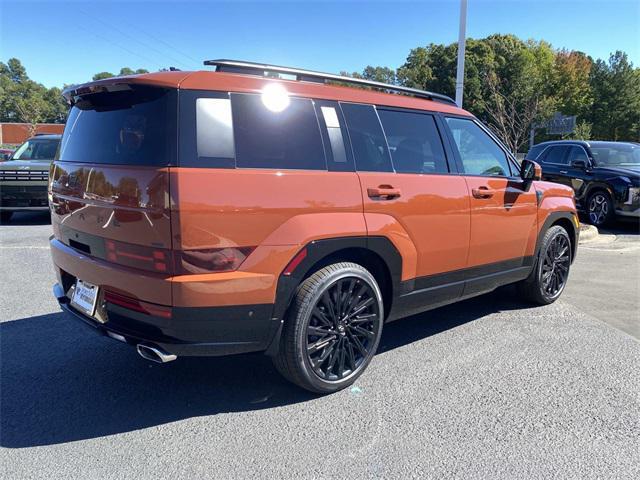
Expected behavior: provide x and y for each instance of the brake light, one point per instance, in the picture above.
(162, 260)
(138, 256)
(211, 260)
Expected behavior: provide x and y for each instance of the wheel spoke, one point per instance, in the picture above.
(361, 307)
(320, 344)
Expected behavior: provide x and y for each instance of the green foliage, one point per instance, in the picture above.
(616, 99)
(123, 71)
(513, 84)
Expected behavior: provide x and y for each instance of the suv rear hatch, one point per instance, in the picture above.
(109, 187)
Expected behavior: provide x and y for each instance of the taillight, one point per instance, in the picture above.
(211, 260)
(176, 262)
(138, 256)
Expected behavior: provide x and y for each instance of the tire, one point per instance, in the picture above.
(5, 216)
(600, 208)
(551, 270)
(332, 330)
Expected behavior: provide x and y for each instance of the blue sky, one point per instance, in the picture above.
(67, 42)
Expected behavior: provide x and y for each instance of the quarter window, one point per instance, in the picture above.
(479, 154)
(287, 139)
(414, 142)
(367, 138)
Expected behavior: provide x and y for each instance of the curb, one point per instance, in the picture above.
(588, 233)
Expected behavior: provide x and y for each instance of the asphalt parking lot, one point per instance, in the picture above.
(488, 388)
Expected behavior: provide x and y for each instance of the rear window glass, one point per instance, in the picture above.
(367, 138)
(286, 138)
(131, 126)
(414, 142)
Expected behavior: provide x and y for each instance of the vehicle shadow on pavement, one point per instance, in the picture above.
(59, 382)
(29, 218)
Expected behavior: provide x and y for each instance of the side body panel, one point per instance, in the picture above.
(275, 211)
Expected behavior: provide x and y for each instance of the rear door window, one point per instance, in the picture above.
(556, 155)
(132, 125)
(414, 142)
(287, 138)
(367, 138)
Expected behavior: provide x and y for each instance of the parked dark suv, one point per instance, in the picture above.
(604, 175)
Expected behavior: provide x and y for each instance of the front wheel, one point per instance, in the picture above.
(332, 330)
(551, 270)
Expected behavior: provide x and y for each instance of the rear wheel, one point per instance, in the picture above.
(332, 330)
(5, 216)
(600, 208)
(551, 271)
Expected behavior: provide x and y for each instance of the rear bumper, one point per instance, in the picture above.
(190, 332)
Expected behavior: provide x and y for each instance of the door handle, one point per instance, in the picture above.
(482, 192)
(564, 172)
(383, 192)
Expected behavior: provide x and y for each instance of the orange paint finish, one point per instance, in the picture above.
(433, 210)
(503, 223)
(213, 208)
(555, 198)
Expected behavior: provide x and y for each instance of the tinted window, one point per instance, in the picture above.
(214, 129)
(556, 155)
(135, 125)
(284, 139)
(37, 150)
(577, 153)
(479, 154)
(367, 139)
(414, 142)
(535, 151)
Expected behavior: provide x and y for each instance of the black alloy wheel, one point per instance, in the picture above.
(342, 328)
(332, 329)
(555, 265)
(550, 274)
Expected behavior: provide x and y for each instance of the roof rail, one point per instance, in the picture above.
(252, 68)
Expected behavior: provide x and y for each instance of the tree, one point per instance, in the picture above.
(571, 83)
(616, 106)
(102, 76)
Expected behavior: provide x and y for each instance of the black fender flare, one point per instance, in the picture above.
(552, 218)
(316, 252)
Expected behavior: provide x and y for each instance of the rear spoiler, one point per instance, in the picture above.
(74, 92)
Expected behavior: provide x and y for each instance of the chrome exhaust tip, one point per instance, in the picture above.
(154, 354)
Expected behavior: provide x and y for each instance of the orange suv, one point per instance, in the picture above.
(228, 211)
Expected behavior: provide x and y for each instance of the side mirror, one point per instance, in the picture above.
(530, 171)
(581, 164)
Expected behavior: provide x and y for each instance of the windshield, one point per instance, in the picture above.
(618, 155)
(131, 126)
(37, 149)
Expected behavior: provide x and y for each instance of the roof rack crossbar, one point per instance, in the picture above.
(238, 66)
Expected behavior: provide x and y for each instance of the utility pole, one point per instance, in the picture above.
(462, 39)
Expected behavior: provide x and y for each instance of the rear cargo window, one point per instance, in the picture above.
(283, 136)
(130, 126)
(367, 138)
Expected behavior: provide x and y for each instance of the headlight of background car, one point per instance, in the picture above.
(634, 195)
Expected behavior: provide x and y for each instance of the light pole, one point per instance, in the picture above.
(461, 47)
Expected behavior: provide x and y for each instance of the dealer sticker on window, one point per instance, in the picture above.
(84, 297)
